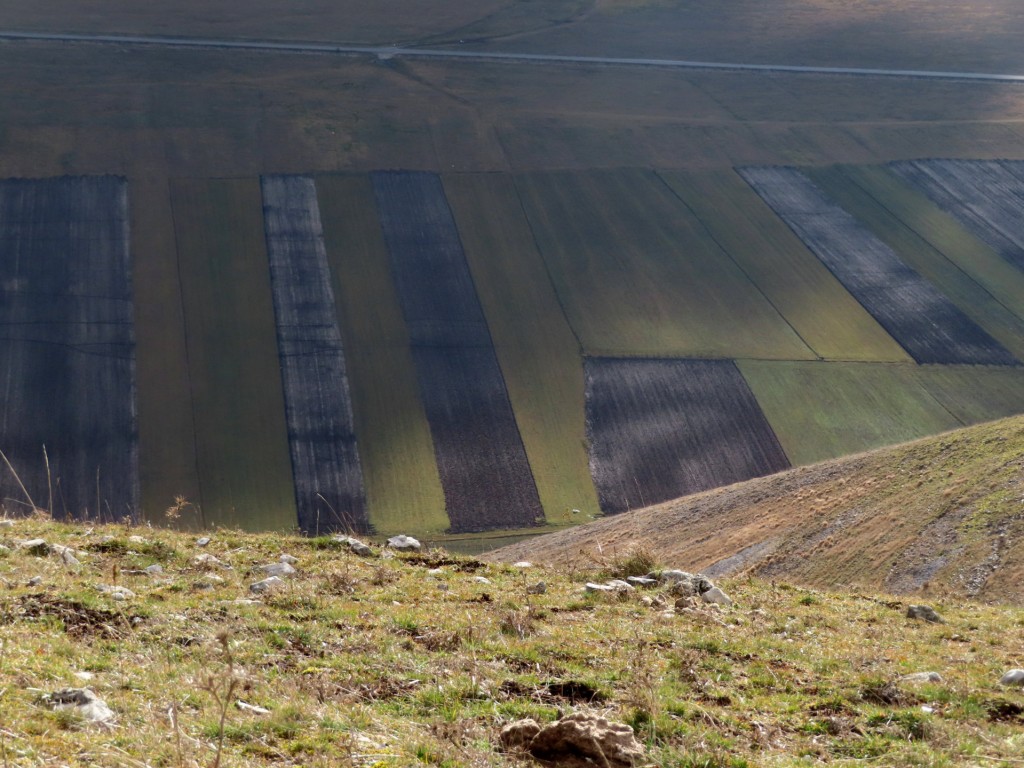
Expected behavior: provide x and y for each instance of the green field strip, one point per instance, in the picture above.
(538, 353)
(815, 303)
(975, 393)
(823, 410)
(639, 275)
(944, 233)
(403, 488)
(973, 299)
(167, 439)
(245, 472)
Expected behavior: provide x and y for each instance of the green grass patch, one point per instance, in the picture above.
(639, 275)
(824, 410)
(245, 472)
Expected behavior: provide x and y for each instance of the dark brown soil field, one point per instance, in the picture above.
(924, 321)
(660, 429)
(67, 349)
(329, 492)
(480, 455)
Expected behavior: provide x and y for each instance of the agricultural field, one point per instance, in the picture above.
(660, 429)
(944, 233)
(481, 459)
(927, 260)
(329, 493)
(638, 275)
(926, 323)
(244, 468)
(799, 286)
(974, 395)
(403, 490)
(68, 428)
(823, 410)
(985, 196)
(539, 355)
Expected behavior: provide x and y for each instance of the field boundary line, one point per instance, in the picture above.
(387, 52)
(729, 256)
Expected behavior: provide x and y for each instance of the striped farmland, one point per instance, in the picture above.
(986, 195)
(480, 455)
(924, 321)
(659, 429)
(67, 351)
(329, 492)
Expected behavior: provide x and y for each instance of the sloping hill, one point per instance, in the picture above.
(943, 515)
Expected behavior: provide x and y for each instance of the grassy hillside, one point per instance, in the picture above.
(414, 660)
(937, 517)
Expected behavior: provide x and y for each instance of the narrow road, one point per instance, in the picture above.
(385, 52)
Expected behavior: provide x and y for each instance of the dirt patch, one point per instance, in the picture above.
(79, 620)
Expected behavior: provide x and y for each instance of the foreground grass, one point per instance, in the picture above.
(413, 660)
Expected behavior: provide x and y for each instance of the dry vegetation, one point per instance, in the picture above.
(414, 660)
(941, 516)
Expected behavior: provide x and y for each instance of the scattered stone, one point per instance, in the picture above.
(577, 740)
(265, 585)
(641, 581)
(84, 702)
(357, 546)
(1013, 677)
(153, 570)
(592, 587)
(202, 541)
(647, 600)
(35, 581)
(278, 569)
(481, 580)
(925, 613)
(621, 586)
(715, 595)
(210, 560)
(37, 547)
(290, 559)
(435, 571)
(85, 676)
(5, 523)
(523, 564)
(251, 708)
(137, 540)
(404, 543)
(922, 677)
(537, 589)
(115, 592)
(671, 577)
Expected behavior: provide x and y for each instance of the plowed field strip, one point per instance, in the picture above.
(241, 437)
(403, 489)
(328, 478)
(987, 196)
(638, 274)
(539, 355)
(660, 429)
(481, 459)
(167, 438)
(826, 410)
(926, 323)
(67, 385)
(972, 299)
(943, 232)
(811, 299)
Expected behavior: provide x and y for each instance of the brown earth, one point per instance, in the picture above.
(940, 516)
